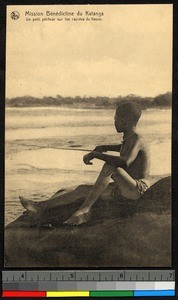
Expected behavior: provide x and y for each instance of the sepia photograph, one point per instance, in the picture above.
(88, 117)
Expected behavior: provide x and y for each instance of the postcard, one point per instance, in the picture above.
(88, 136)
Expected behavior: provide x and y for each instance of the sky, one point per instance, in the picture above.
(128, 52)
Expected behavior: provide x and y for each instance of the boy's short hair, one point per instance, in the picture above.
(130, 110)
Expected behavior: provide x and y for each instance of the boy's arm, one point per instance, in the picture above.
(116, 161)
(105, 148)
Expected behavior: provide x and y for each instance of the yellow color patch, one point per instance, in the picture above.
(67, 294)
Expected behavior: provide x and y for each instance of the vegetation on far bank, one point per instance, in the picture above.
(162, 100)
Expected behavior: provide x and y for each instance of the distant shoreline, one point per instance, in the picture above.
(85, 107)
(160, 101)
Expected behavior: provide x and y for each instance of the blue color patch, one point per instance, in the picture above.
(154, 293)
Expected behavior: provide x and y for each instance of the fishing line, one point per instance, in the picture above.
(58, 148)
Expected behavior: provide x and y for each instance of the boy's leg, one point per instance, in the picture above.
(65, 198)
(57, 200)
(98, 190)
(126, 184)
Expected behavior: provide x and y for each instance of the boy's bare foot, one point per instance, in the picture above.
(28, 204)
(79, 218)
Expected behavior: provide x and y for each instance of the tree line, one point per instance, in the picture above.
(162, 100)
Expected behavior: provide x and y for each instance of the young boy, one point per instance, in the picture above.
(129, 171)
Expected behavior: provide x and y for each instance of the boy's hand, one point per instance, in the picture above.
(100, 149)
(87, 158)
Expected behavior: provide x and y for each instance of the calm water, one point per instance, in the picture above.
(39, 172)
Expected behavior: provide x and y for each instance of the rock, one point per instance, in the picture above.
(120, 234)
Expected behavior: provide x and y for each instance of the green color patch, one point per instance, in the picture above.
(111, 294)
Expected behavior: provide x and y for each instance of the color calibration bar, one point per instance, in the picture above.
(47, 294)
(88, 283)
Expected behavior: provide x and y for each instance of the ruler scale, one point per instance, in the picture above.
(88, 283)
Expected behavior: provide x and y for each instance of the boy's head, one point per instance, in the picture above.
(127, 115)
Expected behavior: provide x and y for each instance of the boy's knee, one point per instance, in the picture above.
(107, 169)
